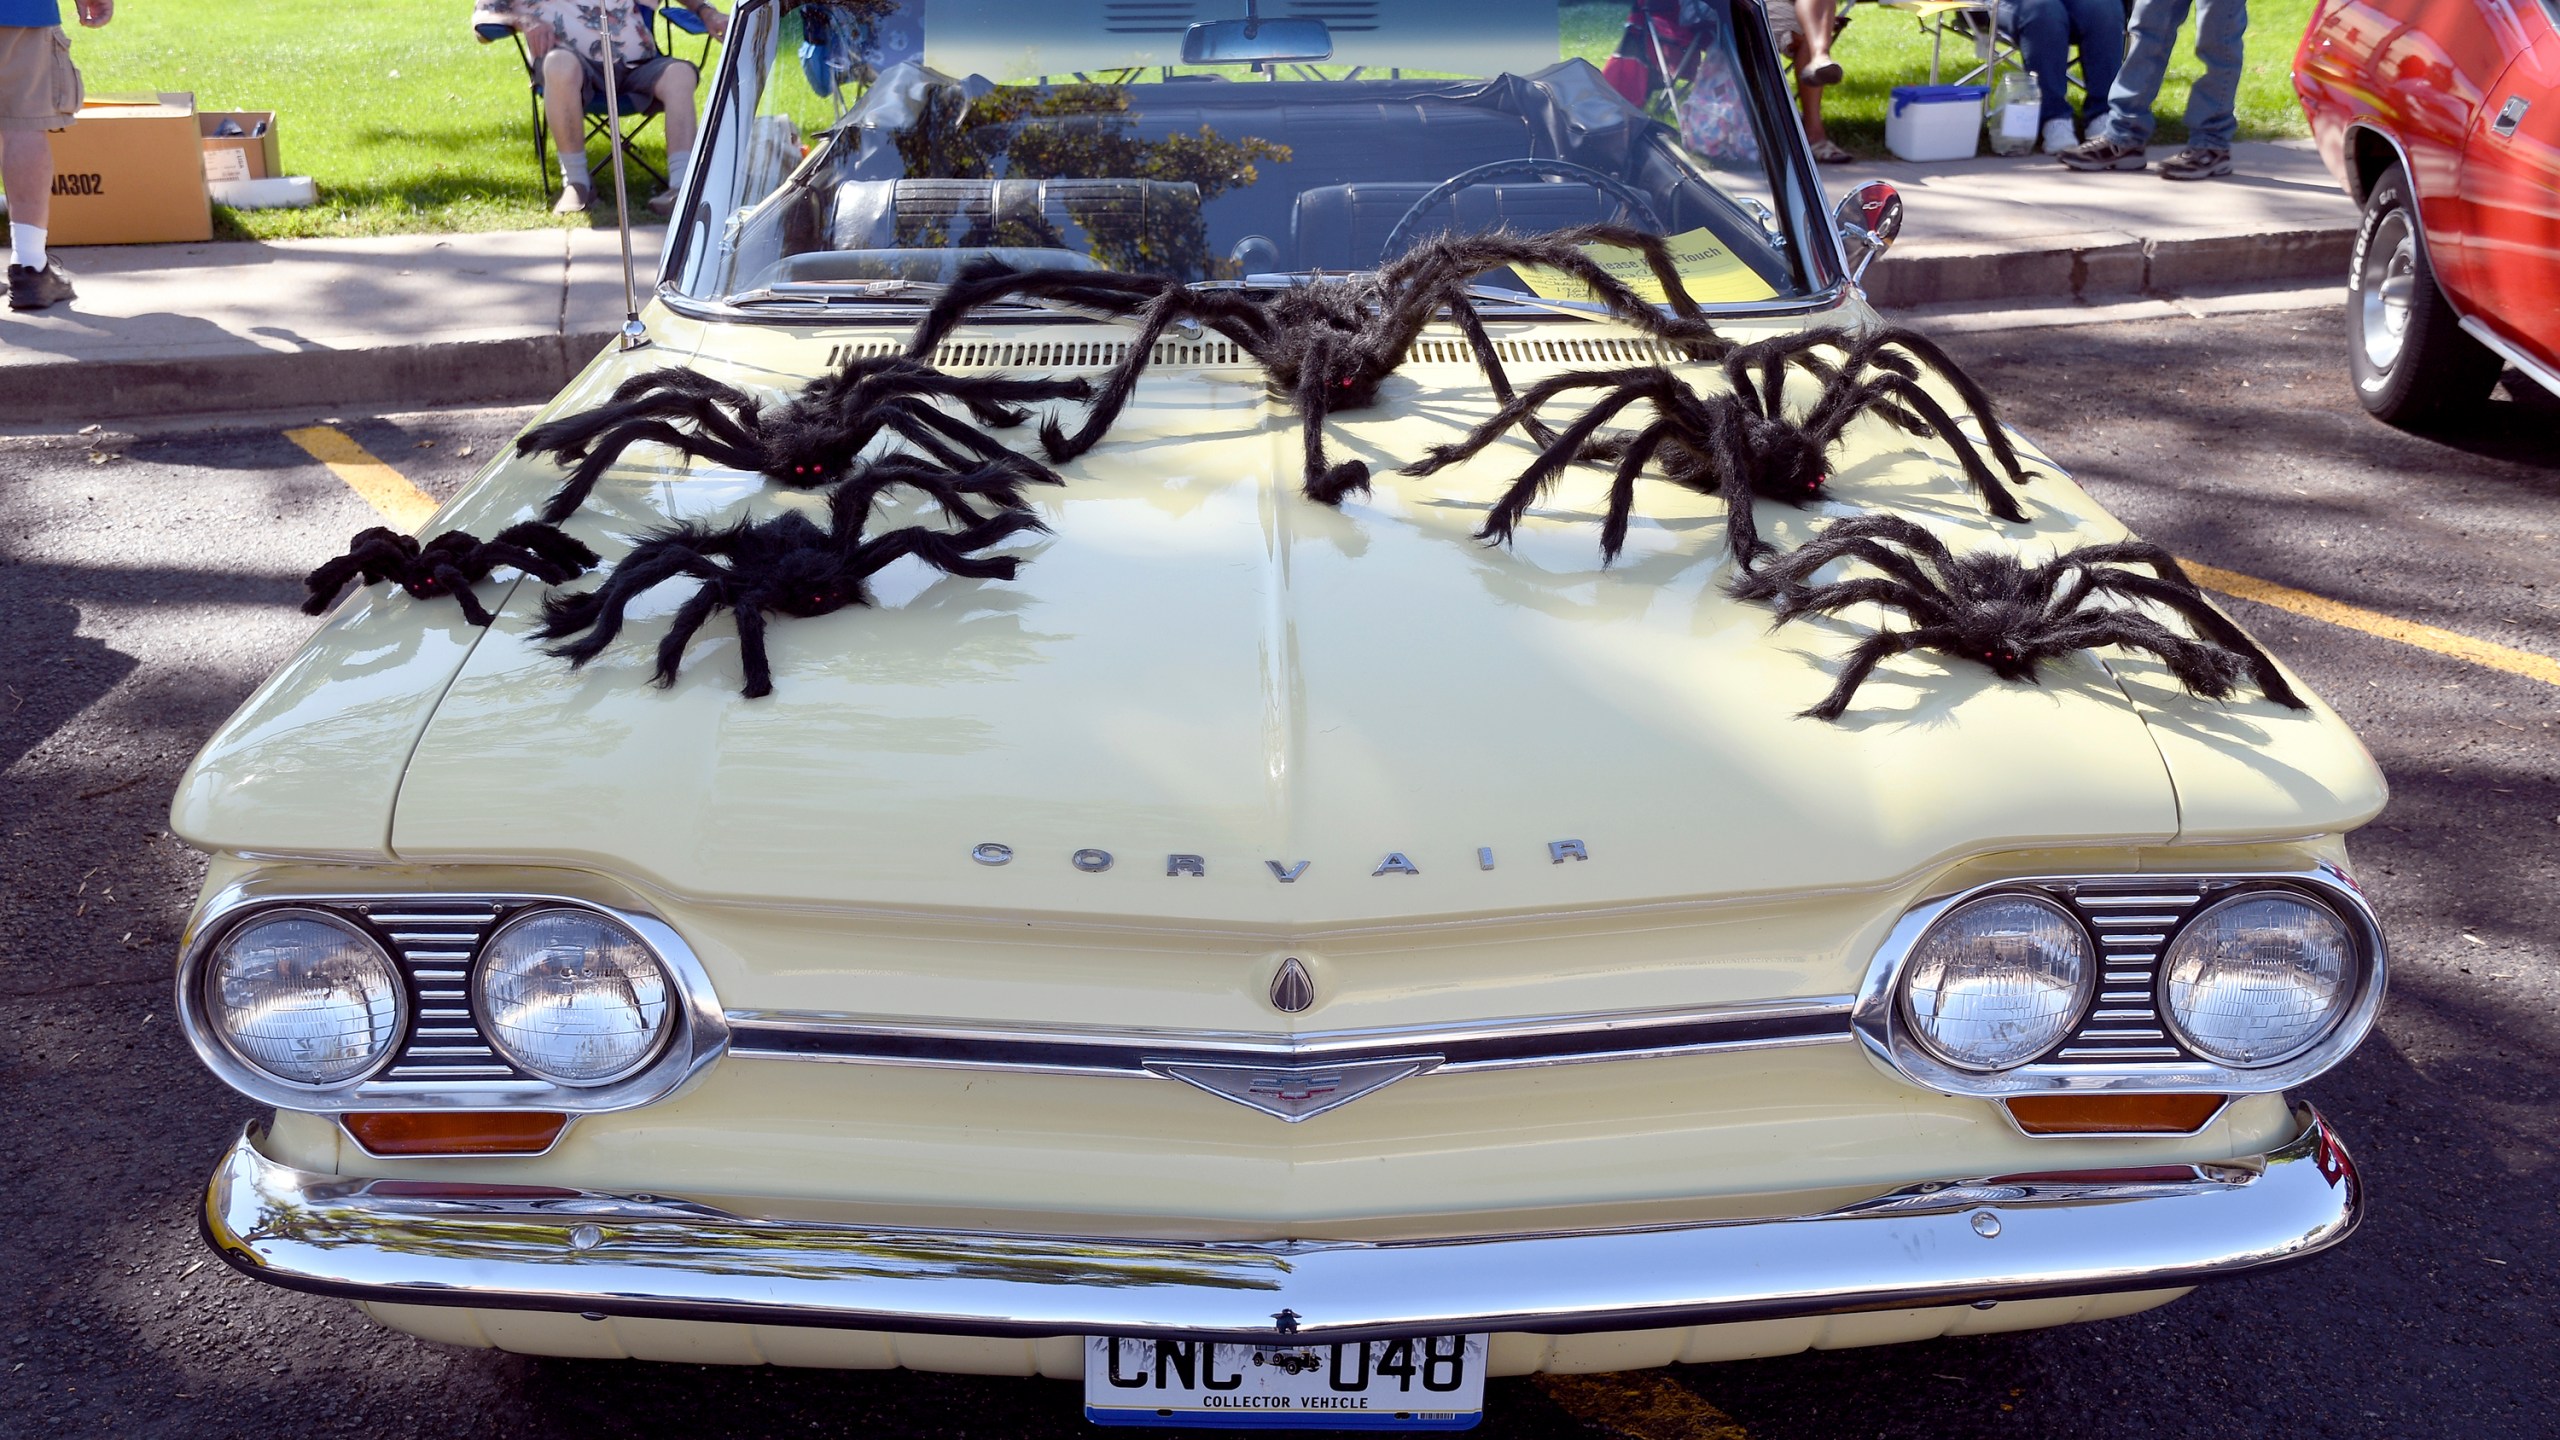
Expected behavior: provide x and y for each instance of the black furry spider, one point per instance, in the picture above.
(786, 564)
(808, 440)
(1988, 608)
(1741, 443)
(450, 564)
(1329, 344)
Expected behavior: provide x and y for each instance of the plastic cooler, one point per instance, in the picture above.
(1935, 122)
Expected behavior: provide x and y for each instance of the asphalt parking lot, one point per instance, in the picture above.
(149, 582)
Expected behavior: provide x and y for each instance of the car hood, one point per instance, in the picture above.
(1240, 708)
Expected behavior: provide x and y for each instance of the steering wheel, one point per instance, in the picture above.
(1636, 200)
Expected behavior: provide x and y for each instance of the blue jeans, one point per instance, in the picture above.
(2220, 24)
(2045, 31)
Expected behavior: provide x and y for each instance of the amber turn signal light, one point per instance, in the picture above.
(455, 1132)
(2153, 1114)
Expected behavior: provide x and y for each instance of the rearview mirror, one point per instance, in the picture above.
(1868, 217)
(1256, 42)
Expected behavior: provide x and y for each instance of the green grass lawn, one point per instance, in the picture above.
(409, 123)
(406, 121)
(1882, 49)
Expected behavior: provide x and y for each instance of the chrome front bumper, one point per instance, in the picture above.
(506, 1247)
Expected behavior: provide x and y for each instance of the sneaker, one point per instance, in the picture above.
(2194, 164)
(33, 289)
(2102, 153)
(2059, 136)
(663, 203)
(574, 200)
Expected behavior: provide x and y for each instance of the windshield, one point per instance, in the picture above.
(866, 149)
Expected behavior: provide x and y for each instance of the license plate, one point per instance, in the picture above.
(1423, 1384)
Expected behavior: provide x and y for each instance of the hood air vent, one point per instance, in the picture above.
(1211, 353)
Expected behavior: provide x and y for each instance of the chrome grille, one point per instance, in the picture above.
(2133, 925)
(436, 942)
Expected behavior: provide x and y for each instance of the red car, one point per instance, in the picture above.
(2442, 117)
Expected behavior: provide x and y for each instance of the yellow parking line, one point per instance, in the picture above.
(385, 489)
(2374, 622)
(1641, 1405)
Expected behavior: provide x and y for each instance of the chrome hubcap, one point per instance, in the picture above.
(2388, 280)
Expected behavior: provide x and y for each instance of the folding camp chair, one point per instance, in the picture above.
(1973, 24)
(636, 119)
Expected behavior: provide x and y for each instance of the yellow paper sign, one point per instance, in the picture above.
(1710, 270)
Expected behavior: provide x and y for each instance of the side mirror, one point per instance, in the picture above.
(1256, 42)
(1869, 217)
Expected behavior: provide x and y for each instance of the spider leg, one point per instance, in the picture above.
(1893, 337)
(1622, 488)
(689, 619)
(458, 585)
(599, 612)
(1504, 515)
(1518, 410)
(1865, 537)
(2181, 596)
(367, 554)
(1729, 449)
(558, 549)
(2207, 670)
(1324, 484)
(1995, 495)
(608, 448)
(985, 281)
(671, 393)
(1871, 652)
(1121, 381)
(949, 551)
(1839, 595)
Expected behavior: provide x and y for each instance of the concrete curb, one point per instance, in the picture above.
(2107, 265)
(2100, 265)
(421, 375)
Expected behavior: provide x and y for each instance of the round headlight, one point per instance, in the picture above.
(572, 997)
(2259, 978)
(1997, 981)
(305, 997)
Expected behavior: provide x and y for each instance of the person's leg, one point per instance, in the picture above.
(2221, 26)
(26, 174)
(2043, 33)
(2098, 27)
(675, 90)
(2146, 63)
(564, 104)
(1813, 48)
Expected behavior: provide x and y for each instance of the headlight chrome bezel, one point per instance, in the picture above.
(697, 1032)
(1884, 1031)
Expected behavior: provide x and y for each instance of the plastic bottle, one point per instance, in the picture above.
(2016, 102)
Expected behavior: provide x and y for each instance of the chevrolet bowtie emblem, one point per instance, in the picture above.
(1294, 1092)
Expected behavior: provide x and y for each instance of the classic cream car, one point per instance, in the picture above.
(1272, 962)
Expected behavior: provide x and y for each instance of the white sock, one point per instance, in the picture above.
(573, 171)
(676, 161)
(26, 245)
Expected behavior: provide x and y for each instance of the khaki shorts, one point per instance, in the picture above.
(39, 86)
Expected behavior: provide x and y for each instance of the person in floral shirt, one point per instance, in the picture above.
(566, 39)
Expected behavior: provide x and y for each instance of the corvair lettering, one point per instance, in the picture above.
(1094, 862)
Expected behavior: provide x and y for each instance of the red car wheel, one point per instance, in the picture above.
(2413, 365)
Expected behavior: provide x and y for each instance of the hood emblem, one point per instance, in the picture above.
(1292, 989)
(1293, 1092)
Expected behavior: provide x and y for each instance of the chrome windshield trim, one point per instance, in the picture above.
(2162, 1066)
(700, 1037)
(855, 308)
(1953, 1242)
(1135, 1053)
